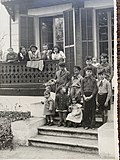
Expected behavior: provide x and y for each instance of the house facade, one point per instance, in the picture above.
(79, 27)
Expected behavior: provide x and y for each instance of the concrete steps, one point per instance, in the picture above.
(68, 132)
(70, 139)
(65, 143)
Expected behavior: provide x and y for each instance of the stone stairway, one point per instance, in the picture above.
(70, 139)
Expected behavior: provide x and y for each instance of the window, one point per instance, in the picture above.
(105, 30)
(87, 32)
(58, 32)
(26, 31)
(46, 31)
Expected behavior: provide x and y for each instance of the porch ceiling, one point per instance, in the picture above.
(30, 4)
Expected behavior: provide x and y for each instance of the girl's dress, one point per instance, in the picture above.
(76, 115)
(49, 108)
(58, 56)
(35, 55)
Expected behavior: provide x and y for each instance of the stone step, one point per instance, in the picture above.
(68, 132)
(65, 143)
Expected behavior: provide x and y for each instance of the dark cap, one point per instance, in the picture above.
(88, 58)
(78, 67)
(88, 68)
(62, 64)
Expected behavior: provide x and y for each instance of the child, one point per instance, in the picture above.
(105, 65)
(49, 109)
(94, 62)
(88, 60)
(89, 91)
(76, 115)
(104, 95)
(62, 103)
(75, 90)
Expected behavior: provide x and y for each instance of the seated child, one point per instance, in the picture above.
(76, 114)
(75, 89)
(49, 109)
(62, 103)
(104, 95)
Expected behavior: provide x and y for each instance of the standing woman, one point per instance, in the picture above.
(23, 54)
(57, 54)
(34, 54)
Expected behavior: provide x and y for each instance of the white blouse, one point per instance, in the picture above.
(58, 56)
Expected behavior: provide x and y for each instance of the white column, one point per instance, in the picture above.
(37, 32)
(15, 32)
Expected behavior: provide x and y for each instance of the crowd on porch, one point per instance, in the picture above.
(77, 97)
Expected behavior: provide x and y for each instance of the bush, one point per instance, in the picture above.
(6, 117)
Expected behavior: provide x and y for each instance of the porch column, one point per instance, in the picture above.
(37, 35)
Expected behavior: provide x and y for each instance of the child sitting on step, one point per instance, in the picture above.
(76, 115)
(49, 109)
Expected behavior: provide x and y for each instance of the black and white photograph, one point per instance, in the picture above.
(58, 79)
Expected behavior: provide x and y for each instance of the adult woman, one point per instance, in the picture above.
(57, 54)
(34, 54)
(23, 55)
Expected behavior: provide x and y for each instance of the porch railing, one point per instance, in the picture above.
(18, 73)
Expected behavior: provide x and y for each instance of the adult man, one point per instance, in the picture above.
(62, 77)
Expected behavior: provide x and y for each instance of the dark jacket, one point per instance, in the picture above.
(63, 78)
(89, 84)
(62, 102)
(23, 57)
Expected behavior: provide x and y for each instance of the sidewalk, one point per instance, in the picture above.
(21, 152)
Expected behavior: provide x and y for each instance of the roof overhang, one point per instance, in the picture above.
(31, 4)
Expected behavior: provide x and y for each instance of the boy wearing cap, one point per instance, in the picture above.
(76, 80)
(88, 60)
(89, 91)
(62, 77)
(104, 95)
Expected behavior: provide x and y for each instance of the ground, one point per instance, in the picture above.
(21, 152)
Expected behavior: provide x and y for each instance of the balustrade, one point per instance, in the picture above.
(18, 73)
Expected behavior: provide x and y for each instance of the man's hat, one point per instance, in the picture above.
(62, 64)
(78, 67)
(89, 68)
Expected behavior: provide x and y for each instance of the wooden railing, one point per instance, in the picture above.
(18, 73)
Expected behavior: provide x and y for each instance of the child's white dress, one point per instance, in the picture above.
(76, 115)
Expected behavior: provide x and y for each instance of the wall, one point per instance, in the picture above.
(15, 31)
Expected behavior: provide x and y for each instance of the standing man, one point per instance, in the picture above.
(62, 77)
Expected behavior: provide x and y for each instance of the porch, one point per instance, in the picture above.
(17, 79)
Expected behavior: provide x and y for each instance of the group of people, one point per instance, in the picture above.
(77, 98)
(33, 54)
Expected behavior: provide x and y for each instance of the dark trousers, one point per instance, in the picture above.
(62, 116)
(103, 109)
(89, 111)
